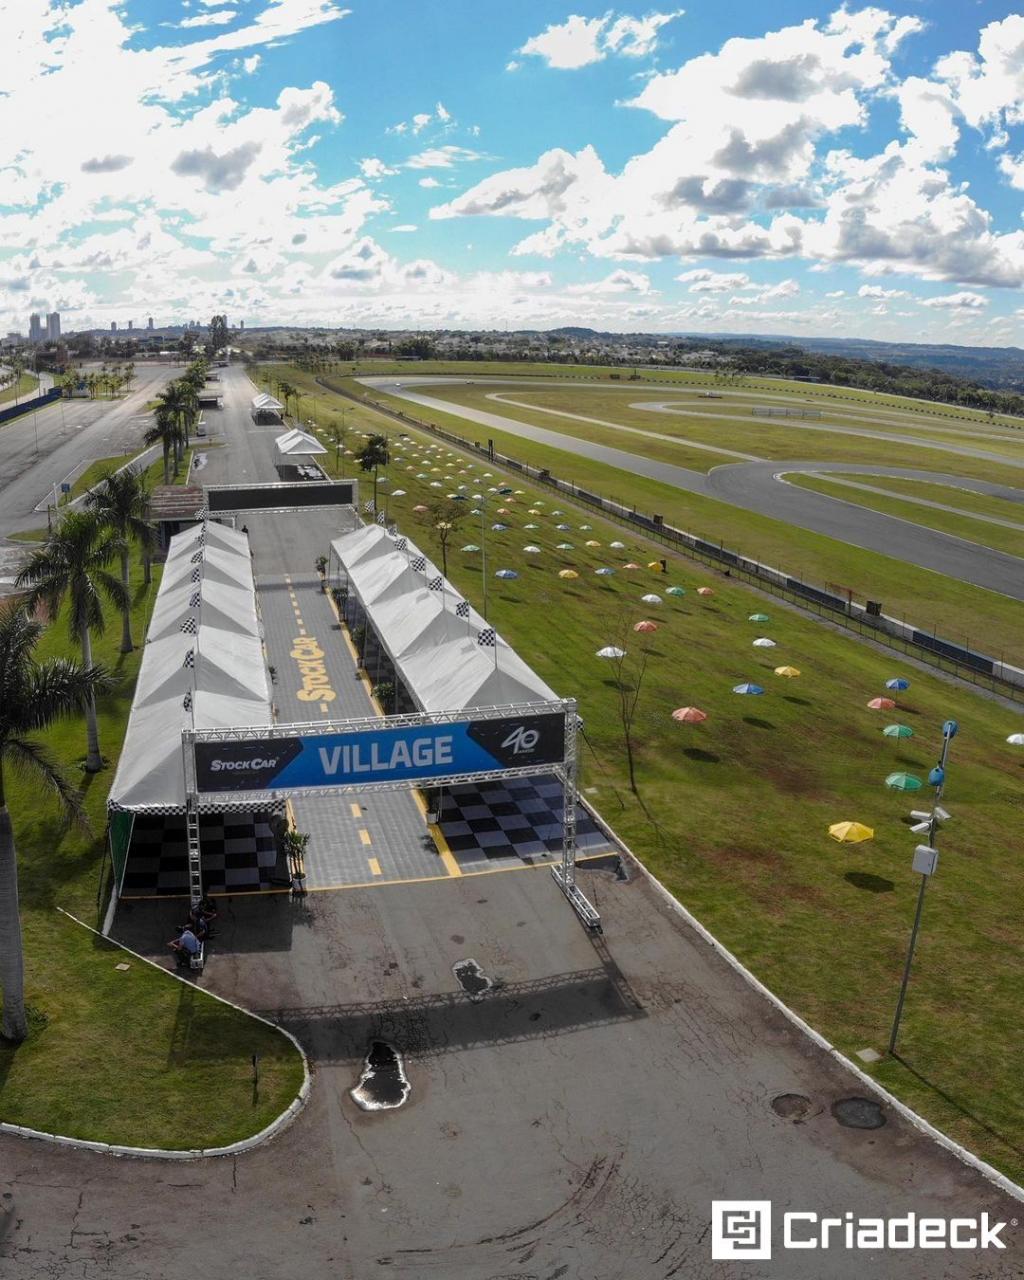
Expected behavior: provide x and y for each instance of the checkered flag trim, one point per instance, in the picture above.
(187, 701)
(419, 563)
(198, 555)
(190, 626)
(202, 514)
(190, 659)
(436, 584)
(401, 544)
(197, 575)
(381, 519)
(368, 505)
(487, 638)
(462, 609)
(195, 599)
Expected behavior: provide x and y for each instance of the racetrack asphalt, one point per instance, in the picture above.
(759, 487)
(575, 1123)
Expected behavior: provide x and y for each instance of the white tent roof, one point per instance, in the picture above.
(299, 443)
(435, 652)
(266, 401)
(206, 606)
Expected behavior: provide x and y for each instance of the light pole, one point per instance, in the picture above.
(926, 860)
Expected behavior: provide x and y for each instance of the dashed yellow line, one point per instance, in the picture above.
(325, 709)
(356, 810)
(364, 836)
(374, 867)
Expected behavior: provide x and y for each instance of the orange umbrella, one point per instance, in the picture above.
(689, 715)
(632, 565)
(881, 704)
(645, 626)
(705, 591)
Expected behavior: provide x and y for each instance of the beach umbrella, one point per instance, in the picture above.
(592, 542)
(531, 550)
(1016, 739)
(398, 493)
(645, 626)
(762, 642)
(675, 591)
(420, 508)
(564, 546)
(789, 672)
(422, 475)
(899, 684)
(655, 565)
(507, 574)
(499, 528)
(617, 546)
(611, 651)
(471, 546)
(747, 688)
(850, 832)
(568, 573)
(689, 715)
(534, 511)
(759, 617)
(436, 484)
(531, 526)
(898, 731)
(881, 704)
(520, 493)
(651, 599)
(705, 591)
(586, 528)
(604, 573)
(503, 511)
(631, 565)
(563, 528)
(903, 782)
(558, 513)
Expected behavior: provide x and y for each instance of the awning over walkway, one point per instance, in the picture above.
(203, 666)
(435, 651)
(299, 444)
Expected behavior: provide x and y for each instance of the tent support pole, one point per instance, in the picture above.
(195, 866)
(565, 875)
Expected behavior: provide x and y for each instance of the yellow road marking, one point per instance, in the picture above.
(357, 810)
(364, 836)
(374, 867)
(324, 708)
(448, 859)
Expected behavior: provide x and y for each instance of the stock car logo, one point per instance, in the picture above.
(741, 1229)
(522, 739)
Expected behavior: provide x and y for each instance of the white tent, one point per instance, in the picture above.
(265, 403)
(435, 652)
(299, 444)
(203, 666)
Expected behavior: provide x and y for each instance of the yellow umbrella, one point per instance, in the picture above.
(851, 832)
(568, 573)
(788, 672)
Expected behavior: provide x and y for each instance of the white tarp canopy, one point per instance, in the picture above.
(203, 666)
(299, 444)
(265, 403)
(436, 652)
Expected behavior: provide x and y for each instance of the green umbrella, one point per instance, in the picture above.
(675, 591)
(903, 782)
(759, 617)
(898, 731)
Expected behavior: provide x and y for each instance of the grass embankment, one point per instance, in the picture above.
(966, 500)
(960, 524)
(134, 1056)
(955, 610)
(27, 385)
(735, 812)
(96, 471)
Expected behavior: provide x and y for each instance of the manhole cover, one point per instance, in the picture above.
(472, 978)
(792, 1106)
(383, 1084)
(858, 1113)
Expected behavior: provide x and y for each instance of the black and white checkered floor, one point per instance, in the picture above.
(239, 855)
(518, 821)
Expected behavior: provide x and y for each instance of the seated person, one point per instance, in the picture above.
(185, 946)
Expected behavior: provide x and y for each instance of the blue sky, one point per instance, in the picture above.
(791, 168)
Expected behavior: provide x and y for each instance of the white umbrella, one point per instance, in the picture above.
(651, 599)
(610, 651)
(1016, 739)
(764, 643)
(532, 550)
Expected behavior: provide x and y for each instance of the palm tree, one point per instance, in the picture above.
(285, 390)
(337, 436)
(122, 503)
(180, 399)
(372, 457)
(32, 696)
(72, 564)
(164, 431)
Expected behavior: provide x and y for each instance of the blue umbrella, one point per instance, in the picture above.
(506, 573)
(747, 688)
(899, 684)
(604, 573)
(499, 528)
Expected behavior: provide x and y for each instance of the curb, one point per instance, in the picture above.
(987, 1171)
(276, 1126)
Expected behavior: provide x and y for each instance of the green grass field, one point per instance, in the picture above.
(26, 386)
(96, 471)
(734, 812)
(134, 1056)
(960, 525)
(952, 495)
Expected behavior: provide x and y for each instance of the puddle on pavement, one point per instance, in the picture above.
(472, 978)
(858, 1113)
(792, 1106)
(383, 1084)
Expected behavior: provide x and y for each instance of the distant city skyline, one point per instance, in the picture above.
(804, 168)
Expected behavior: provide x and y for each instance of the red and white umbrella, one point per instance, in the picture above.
(689, 715)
